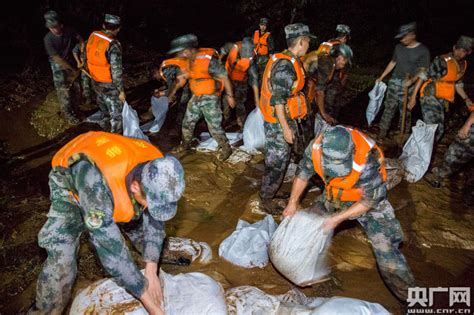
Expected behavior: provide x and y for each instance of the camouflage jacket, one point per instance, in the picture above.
(437, 69)
(325, 73)
(374, 190)
(282, 77)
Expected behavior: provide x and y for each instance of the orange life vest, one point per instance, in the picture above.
(237, 66)
(115, 156)
(296, 107)
(471, 108)
(343, 188)
(445, 86)
(325, 47)
(181, 63)
(97, 63)
(261, 42)
(200, 81)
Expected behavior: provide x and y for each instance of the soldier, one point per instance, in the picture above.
(353, 170)
(409, 60)
(282, 104)
(443, 79)
(104, 63)
(264, 46)
(98, 180)
(207, 79)
(59, 43)
(242, 71)
(343, 34)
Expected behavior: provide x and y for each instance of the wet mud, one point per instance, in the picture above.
(439, 244)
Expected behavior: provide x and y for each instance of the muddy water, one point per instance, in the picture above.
(438, 230)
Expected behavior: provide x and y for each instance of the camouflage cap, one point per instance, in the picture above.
(344, 50)
(183, 42)
(297, 30)
(263, 21)
(247, 47)
(466, 43)
(163, 183)
(112, 19)
(51, 18)
(337, 148)
(343, 28)
(405, 29)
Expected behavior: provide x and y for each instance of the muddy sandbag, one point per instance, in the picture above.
(131, 123)
(190, 248)
(208, 144)
(247, 246)
(190, 293)
(416, 155)
(95, 118)
(250, 300)
(376, 96)
(159, 108)
(254, 132)
(298, 248)
(395, 172)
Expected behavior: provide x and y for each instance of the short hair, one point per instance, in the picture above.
(291, 42)
(110, 26)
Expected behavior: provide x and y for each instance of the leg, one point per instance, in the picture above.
(385, 234)
(115, 106)
(277, 156)
(63, 86)
(101, 103)
(432, 110)
(213, 115)
(191, 117)
(392, 99)
(86, 88)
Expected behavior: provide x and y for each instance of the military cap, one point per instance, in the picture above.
(344, 50)
(163, 183)
(51, 19)
(183, 42)
(263, 21)
(405, 29)
(112, 19)
(342, 28)
(466, 43)
(247, 47)
(337, 149)
(297, 30)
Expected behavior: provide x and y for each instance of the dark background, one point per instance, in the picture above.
(149, 25)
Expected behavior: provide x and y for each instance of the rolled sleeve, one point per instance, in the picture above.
(374, 189)
(154, 235)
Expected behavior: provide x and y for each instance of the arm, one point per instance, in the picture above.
(412, 101)
(463, 133)
(253, 81)
(287, 132)
(115, 59)
(387, 70)
(271, 45)
(324, 73)
(462, 93)
(218, 72)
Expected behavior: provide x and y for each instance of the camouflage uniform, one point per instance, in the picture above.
(433, 108)
(380, 224)
(108, 93)
(277, 150)
(170, 73)
(394, 99)
(209, 107)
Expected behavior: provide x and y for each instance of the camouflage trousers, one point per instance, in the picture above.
(183, 102)
(67, 89)
(60, 238)
(109, 104)
(240, 89)
(432, 109)
(394, 100)
(86, 85)
(459, 153)
(385, 235)
(277, 157)
(209, 107)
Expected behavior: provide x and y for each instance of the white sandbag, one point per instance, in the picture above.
(95, 118)
(416, 155)
(376, 96)
(254, 132)
(247, 246)
(208, 144)
(190, 293)
(298, 248)
(159, 108)
(131, 123)
(194, 249)
(250, 300)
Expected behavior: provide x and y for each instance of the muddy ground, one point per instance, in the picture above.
(438, 227)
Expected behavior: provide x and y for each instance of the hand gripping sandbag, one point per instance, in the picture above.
(298, 248)
(416, 155)
(159, 108)
(254, 132)
(131, 123)
(376, 96)
(247, 246)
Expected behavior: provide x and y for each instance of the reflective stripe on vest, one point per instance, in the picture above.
(97, 63)
(296, 106)
(200, 81)
(325, 47)
(445, 86)
(261, 43)
(237, 66)
(115, 156)
(343, 188)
